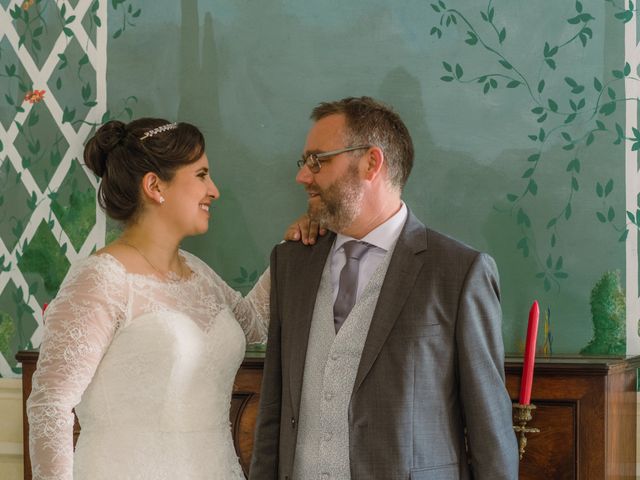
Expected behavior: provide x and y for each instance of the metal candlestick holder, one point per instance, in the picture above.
(522, 416)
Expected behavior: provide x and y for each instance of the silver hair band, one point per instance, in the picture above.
(163, 128)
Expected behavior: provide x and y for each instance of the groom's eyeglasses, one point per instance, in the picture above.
(314, 160)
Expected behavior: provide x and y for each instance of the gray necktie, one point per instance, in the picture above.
(348, 286)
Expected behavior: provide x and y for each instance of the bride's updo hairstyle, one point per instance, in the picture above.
(121, 154)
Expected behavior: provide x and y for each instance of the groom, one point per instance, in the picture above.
(385, 339)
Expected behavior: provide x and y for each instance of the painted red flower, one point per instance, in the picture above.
(34, 96)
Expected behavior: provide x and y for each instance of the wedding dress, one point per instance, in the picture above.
(149, 367)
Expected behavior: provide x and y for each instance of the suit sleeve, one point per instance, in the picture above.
(486, 403)
(264, 463)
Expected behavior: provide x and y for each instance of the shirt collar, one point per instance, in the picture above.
(384, 236)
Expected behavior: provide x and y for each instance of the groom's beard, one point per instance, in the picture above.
(339, 204)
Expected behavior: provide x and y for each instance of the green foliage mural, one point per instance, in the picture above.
(579, 115)
(517, 111)
(52, 66)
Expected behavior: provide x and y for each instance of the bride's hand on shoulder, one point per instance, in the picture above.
(305, 230)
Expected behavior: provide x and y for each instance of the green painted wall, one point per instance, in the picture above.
(484, 108)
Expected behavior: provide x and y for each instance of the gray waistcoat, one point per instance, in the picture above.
(322, 448)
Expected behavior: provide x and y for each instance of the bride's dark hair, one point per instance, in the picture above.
(120, 157)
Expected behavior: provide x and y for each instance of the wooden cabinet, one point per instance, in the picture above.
(586, 413)
(243, 413)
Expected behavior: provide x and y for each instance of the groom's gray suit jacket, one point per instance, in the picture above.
(432, 365)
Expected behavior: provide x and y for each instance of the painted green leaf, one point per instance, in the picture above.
(608, 188)
(533, 158)
(540, 86)
(541, 134)
(590, 139)
(623, 237)
(608, 108)
(611, 214)
(551, 63)
(512, 197)
(117, 33)
(574, 184)
(631, 217)
(553, 240)
(574, 20)
(570, 118)
(472, 39)
(627, 69)
(571, 82)
(458, 71)
(596, 84)
(601, 217)
(567, 212)
(528, 173)
(566, 136)
(447, 78)
(502, 35)
(513, 84)
(617, 73)
(551, 223)
(68, 115)
(600, 125)
(97, 20)
(549, 261)
(533, 137)
(553, 106)
(542, 119)
(447, 67)
(537, 110)
(599, 189)
(578, 7)
(625, 16)
(533, 187)
(612, 93)
(505, 64)
(434, 6)
(486, 87)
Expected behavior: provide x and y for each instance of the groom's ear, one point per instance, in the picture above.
(374, 163)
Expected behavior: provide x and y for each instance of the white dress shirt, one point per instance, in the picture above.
(383, 238)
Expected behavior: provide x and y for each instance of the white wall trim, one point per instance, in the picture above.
(11, 449)
(10, 389)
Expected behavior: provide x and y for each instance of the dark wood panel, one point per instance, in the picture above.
(586, 411)
(553, 450)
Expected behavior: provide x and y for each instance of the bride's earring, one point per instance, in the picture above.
(161, 200)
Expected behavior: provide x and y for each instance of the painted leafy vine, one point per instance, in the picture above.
(578, 121)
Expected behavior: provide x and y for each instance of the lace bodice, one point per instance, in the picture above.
(101, 319)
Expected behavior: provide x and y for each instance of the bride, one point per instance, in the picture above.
(144, 339)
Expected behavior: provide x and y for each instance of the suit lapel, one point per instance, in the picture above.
(306, 289)
(399, 280)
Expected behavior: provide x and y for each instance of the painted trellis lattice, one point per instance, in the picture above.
(38, 168)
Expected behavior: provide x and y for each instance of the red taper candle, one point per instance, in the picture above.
(529, 355)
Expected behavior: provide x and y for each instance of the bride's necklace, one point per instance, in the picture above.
(162, 274)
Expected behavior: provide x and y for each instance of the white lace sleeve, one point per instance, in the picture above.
(252, 311)
(79, 326)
